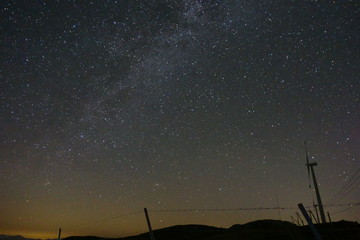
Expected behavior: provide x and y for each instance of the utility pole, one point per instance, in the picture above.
(310, 167)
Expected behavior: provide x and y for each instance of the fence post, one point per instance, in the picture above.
(59, 236)
(293, 220)
(311, 225)
(299, 219)
(149, 224)
(329, 216)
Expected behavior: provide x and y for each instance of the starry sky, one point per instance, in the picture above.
(108, 107)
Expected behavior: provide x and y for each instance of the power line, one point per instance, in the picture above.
(353, 179)
(346, 209)
(343, 204)
(347, 188)
(350, 190)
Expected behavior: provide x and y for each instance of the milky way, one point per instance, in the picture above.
(108, 107)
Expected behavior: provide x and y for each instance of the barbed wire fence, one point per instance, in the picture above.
(347, 206)
(154, 214)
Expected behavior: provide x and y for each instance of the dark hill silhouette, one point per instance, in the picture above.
(16, 237)
(181, 232)
(264, 224)
(85, 238)
(264, 229)
(257, 230)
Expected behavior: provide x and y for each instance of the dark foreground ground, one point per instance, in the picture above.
(262, 229)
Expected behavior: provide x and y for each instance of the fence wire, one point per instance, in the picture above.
(245, 209)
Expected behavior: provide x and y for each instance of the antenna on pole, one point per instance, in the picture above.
(310, 168)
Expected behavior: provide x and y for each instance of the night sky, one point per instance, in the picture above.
(108, 107)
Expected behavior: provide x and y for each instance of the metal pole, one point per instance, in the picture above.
(59, 236)
(311, 225)
(321, 209)
(149, 224)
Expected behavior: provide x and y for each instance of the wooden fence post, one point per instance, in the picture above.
(149, 224)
